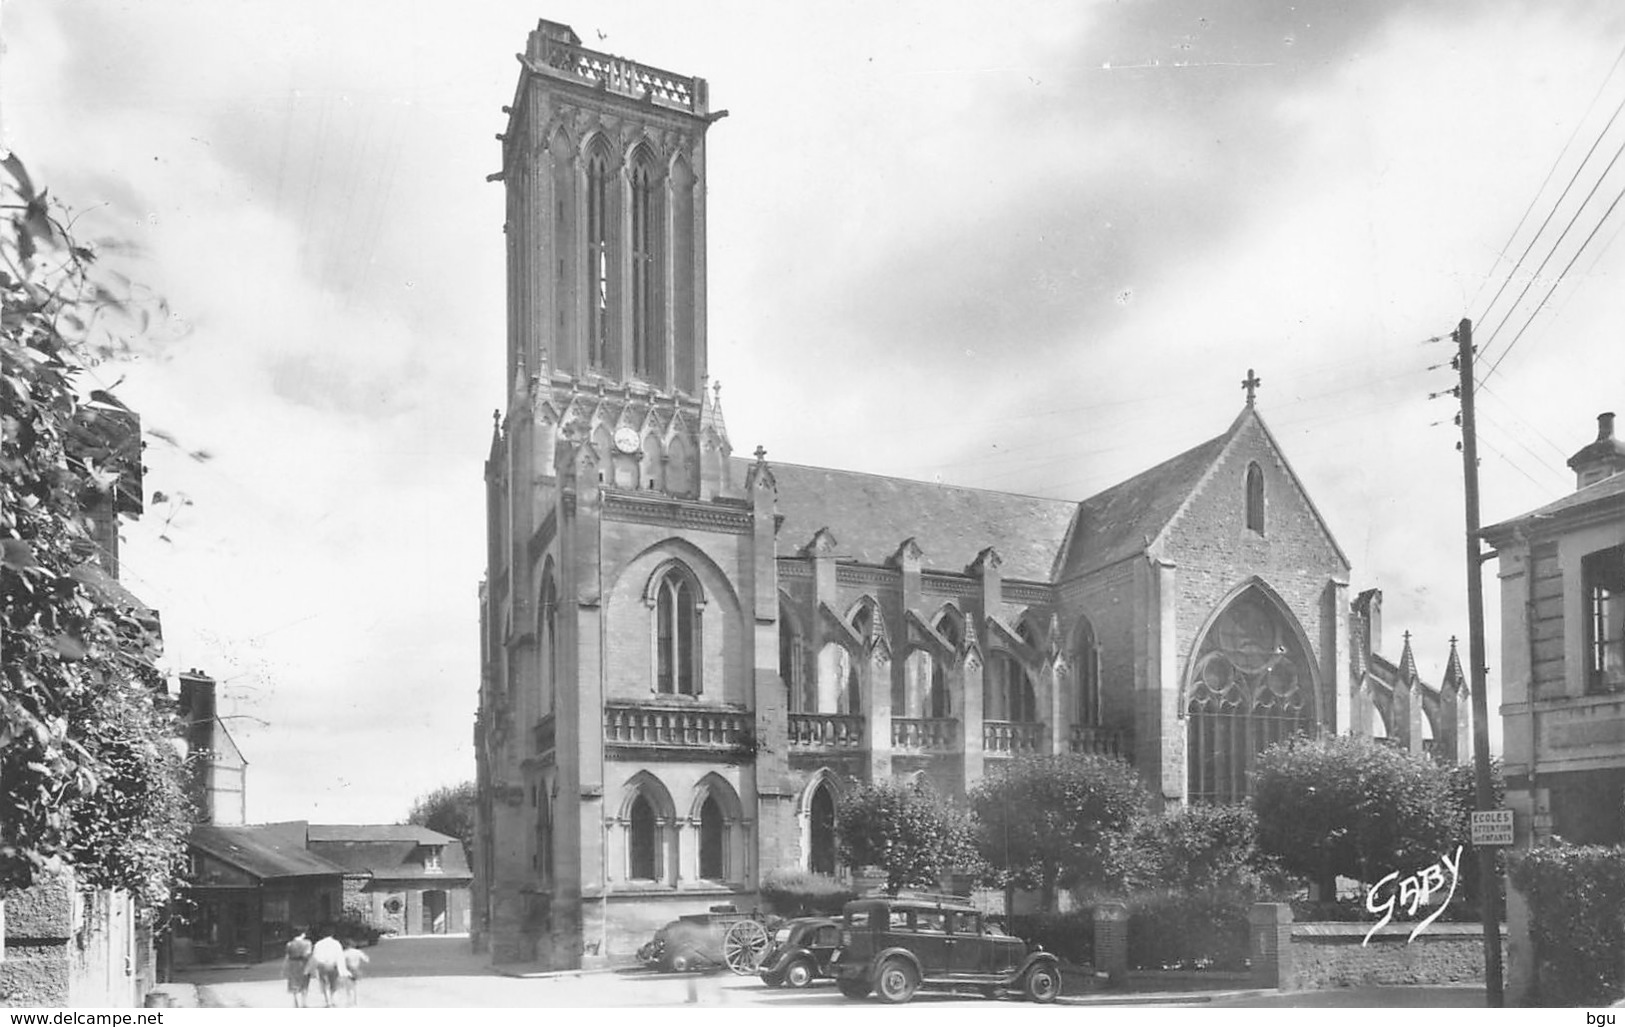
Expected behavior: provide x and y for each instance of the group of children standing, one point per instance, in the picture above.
(336, 966)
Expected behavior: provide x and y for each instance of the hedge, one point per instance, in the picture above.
(800, 893)
(1576, 896)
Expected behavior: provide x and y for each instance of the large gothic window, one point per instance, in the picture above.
(1255, 499)
(1250, 686)
(821, 830)
(648, 322)
(677, 634)
(1009, 691)
(600, 225)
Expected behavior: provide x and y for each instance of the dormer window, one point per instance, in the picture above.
(431, 859)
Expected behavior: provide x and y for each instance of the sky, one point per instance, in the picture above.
(1028, 246)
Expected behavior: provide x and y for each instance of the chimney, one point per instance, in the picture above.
(197, 705)
(1603, 458)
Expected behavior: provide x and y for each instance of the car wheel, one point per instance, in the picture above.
(853, 989)
(895, 981)
(680, 964)
(1042, 984)
(799, 974)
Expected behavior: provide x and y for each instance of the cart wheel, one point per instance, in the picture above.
(743, 946)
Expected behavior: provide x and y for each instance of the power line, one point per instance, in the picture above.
(1559, 281)
(1544, 182)
(1553, 251)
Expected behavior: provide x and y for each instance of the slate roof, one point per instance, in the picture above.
(1120, 521)
(376, 833)
(266, 851)
(1598, 492)
(870, 515)
(396, 860)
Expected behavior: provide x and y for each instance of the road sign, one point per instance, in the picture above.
(1492, 827)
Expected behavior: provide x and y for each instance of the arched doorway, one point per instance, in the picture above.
(821, 850)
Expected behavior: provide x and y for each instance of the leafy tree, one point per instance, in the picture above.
(1210, 848)
(449, 810)
(89, 772)
(911, 832)
(1049, 822)
(1347, 806)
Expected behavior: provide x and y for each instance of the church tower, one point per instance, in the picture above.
(620, 687)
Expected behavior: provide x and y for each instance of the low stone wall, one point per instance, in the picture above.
(1332, 956)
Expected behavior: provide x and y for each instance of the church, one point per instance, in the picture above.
(687, 655)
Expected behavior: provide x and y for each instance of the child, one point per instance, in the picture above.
(354, 960)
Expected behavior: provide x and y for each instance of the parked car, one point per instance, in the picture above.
(895, 946)
(801, 952)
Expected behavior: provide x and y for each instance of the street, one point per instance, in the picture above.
(442, 972)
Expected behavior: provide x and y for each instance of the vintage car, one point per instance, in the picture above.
(893, 946)
(801, 952)
(724, 937)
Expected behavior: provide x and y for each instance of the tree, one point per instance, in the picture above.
(449, 810)
(909, 831)
(1206, 848)
(89, 771)
(1049, 822)
(1347, 806)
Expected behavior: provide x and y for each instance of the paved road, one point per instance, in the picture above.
(442, 972)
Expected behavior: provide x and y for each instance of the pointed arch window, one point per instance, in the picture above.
(1011, 696)
(1249, 687)
(1255, 499)
(793, 664)
(643, 841)
(648, 323)
(600, 220)
(677, 633)
(1086, 665)
(549, 640)
(713, 834)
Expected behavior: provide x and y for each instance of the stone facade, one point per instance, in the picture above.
(1562, 571)
(686, 656)
(68, 946)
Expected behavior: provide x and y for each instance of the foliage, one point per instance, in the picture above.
(1071, 936)
(1463, 800)
(88, 772)
(1575, 893)
(909, 831)
(1203, 848)
(1049, 822)
(1204, 929)
(803, 893)
(449, 810)
(1343, 805)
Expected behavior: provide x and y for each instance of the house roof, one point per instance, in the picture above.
(394, 859)
(871, 515)
(1598, 493)
(415, 833)
(266, 851)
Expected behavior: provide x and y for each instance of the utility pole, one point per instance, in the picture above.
(1489, 885)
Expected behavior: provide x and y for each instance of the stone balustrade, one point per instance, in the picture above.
(925, 734)
(826, 731)
(1102, 741)
(681, 728)
(619, 75)
(1012, 738)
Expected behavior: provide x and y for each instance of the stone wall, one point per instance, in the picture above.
(1331, 956)
(65, 947)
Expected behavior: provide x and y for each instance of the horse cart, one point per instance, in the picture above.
(724, 937)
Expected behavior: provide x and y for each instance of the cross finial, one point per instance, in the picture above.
(1407, 638)
(1452, 641)
(1251, 384)
(761, 453)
